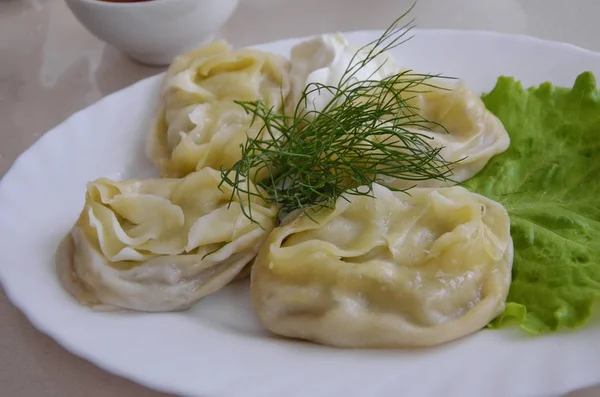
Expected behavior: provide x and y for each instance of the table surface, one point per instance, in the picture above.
(51, 67)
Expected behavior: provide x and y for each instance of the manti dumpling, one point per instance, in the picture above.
(159, 245)
(198, 124)
(325, 59)
(396, 270)
(472, 133)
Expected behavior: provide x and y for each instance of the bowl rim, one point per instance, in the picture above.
(134, 4)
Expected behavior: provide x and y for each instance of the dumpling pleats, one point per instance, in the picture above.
(159, 245)
(198, 124)
(390, 271)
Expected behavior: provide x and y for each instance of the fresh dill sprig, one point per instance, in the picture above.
(368, 130)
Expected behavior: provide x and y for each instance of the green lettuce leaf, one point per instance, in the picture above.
(549, 182)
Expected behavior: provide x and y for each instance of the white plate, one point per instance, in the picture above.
(218, 348)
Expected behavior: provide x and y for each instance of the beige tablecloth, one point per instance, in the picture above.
(51, 67)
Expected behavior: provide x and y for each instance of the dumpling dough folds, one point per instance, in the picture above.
(159, 245)
(395, 271)
(325, 59)
(461, 125)
(197, 123)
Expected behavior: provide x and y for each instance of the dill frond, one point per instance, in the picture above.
(368, 130)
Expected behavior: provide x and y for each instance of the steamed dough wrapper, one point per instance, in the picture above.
(198, 124)
(159, 245)
(460, 123)
(393, 271)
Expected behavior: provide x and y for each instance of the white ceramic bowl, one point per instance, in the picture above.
(156, 31)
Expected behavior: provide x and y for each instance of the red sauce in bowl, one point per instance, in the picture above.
(125, 1)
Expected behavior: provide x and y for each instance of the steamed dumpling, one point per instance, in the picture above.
(325, 59)
(198, 124)
(159, 245)
(398, 270)
(472, 134)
